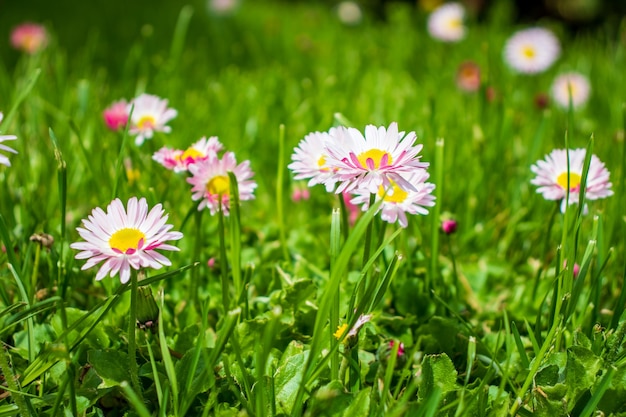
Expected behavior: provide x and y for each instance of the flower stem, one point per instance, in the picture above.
(132, 345)
(223, 261)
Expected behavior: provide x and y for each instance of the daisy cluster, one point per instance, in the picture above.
(209, 173)
(126, 238)
(528, 51)
(381, 164)
(145, 114)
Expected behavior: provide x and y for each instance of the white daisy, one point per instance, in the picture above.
(125, 238)
(150, 115)
(574, 84)
(309, 160)
(446, 22)
(532, 50)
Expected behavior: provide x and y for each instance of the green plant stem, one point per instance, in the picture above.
(132, 347)
(432, 277)
(280, 192)
(197, 250)
(223, 260)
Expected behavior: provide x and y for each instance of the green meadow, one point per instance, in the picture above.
(517, 312)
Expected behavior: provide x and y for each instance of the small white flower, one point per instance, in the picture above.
(150, 114)
(446, 22)
(532, 50)
(574, 84)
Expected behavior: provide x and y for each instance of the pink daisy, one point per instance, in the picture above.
(211, 182)
(382, 157)
(397, 201)
(125, 238)
(553, 176)
(29, 37)
(116, 115)
(179, 160)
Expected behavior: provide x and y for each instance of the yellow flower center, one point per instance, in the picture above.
(376, 155)
(455, 23)
(341, 329)
(219, 185)
(529, 52)
(395, 195)
(190, 153)
(127, 240)
(146, 122)
(574, 180)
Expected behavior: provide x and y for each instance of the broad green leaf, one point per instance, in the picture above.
(110, 365)
(360, 405)
(437, 371)
(288, 376)
(580, 371)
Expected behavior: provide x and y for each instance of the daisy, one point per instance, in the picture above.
(446, 22)
(553, 177)
(179, 160)
(29, 37)
(125, 238)
(349, 13)
(116, 115)
(3, 159)
(150, 115)
(309, 160)
(211, 182)
(381, 157)
(532, 50)
(397, 201)
(574, 84)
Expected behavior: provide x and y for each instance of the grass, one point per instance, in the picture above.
(490, 321)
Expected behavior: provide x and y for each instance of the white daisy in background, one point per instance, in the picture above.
(179, 160)
(3, 159)
(309, 160)
(349, 13)
(532, 50)
(552, 177)
(211, 182)
(446, 22)
(125, 238)
(381, 157)
(574, 84)
(150, 115)
(397, 201)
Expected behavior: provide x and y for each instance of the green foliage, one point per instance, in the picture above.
(488, 321)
